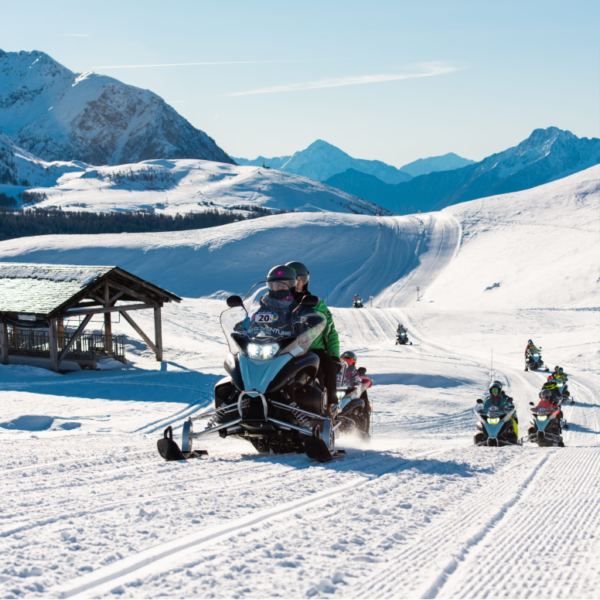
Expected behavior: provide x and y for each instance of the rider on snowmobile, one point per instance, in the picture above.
(498, 398)
(561, 377)
(552, 386)
(529, 349)
(353, 376)
(327, 345)
(401, 329)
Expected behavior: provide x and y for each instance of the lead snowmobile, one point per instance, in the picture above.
(357, 302)
(495, 419)
(272, 396)
(534, 361)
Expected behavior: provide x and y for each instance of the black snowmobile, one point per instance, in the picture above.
(547, 423)
(534, 361)
(273, 395)
(357, 303)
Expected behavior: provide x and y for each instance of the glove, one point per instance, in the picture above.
(338, 363)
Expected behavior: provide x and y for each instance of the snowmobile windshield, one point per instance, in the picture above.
(270, 323)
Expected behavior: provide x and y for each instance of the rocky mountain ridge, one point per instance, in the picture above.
(59, 115)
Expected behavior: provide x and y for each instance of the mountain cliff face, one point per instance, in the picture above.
(321, 160)
(547, 155)
(447, 162)
(59, 115)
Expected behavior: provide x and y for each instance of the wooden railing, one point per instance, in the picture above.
(35, 342)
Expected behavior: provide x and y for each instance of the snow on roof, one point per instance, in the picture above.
(39, 289)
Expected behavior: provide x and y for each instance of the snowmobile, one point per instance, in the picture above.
(272, 396)
(534, 361)
(351, 397)
(546, 424)
(358, 303)
(495, 426)
(564, 391)
(402, 338)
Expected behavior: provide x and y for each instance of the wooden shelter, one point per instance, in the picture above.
(37, 299)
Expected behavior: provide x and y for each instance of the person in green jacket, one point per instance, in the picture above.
(327, 345)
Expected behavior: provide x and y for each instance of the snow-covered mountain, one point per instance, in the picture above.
(20, 169)
(59, 115)
(185, 186)
(547, 155)
(321, 161)
(447, 162)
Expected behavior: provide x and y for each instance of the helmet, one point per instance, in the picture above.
(551, 378)
(301, 271)
(281, 274)
(530, 341)
(557, 368)
(560, 369)
(545, 393)
(496, 384)
(349, 357)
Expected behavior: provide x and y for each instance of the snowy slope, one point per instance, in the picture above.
(60, 115)
(533, 249)
(184, 186)
(89, 510)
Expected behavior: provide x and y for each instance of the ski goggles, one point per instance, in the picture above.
(277, 286)
(350, 361)
(494, 389)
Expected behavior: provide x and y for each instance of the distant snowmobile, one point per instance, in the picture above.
(402, 338)
(534, 361)
(546, 422)
(357, 302)
(272, 397)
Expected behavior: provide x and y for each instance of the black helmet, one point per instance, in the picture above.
(556, 368)
(530, 341)
(282, 274)
(302, 272)
(349, 356)
(496, 384)
(545, 392)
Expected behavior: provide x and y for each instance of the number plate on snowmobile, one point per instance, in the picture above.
(264, 317)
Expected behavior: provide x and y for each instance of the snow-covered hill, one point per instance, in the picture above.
(90, 510)
(322, 160)
(184, 186)
(59, 115)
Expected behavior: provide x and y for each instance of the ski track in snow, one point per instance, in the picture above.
(94, 512)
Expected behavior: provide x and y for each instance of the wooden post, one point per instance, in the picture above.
(108, 345)
(158, 333)
(60, 331)
(141, 333)
(4, 342)
(53, 343)
(76, 337)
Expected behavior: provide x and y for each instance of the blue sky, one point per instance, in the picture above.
(387, 80)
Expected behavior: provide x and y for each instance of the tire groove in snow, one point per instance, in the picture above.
(147, 562)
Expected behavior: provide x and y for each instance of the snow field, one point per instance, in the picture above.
(420, 512)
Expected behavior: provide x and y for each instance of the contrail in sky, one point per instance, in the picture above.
(234, 62)
(427, 70)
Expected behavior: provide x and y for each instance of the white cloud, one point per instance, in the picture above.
(236, 62)
(424, 70)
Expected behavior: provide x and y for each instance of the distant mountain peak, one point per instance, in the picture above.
(57, 114)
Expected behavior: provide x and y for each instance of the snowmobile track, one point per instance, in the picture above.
(148, 561)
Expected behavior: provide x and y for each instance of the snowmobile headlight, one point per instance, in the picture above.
(340, 394)
(262, 351)
(542, 417)
(493, 420)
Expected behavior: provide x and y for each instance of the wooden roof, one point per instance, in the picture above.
(51, 290)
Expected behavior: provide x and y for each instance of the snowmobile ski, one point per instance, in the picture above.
(169, 450)
(317, 449)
